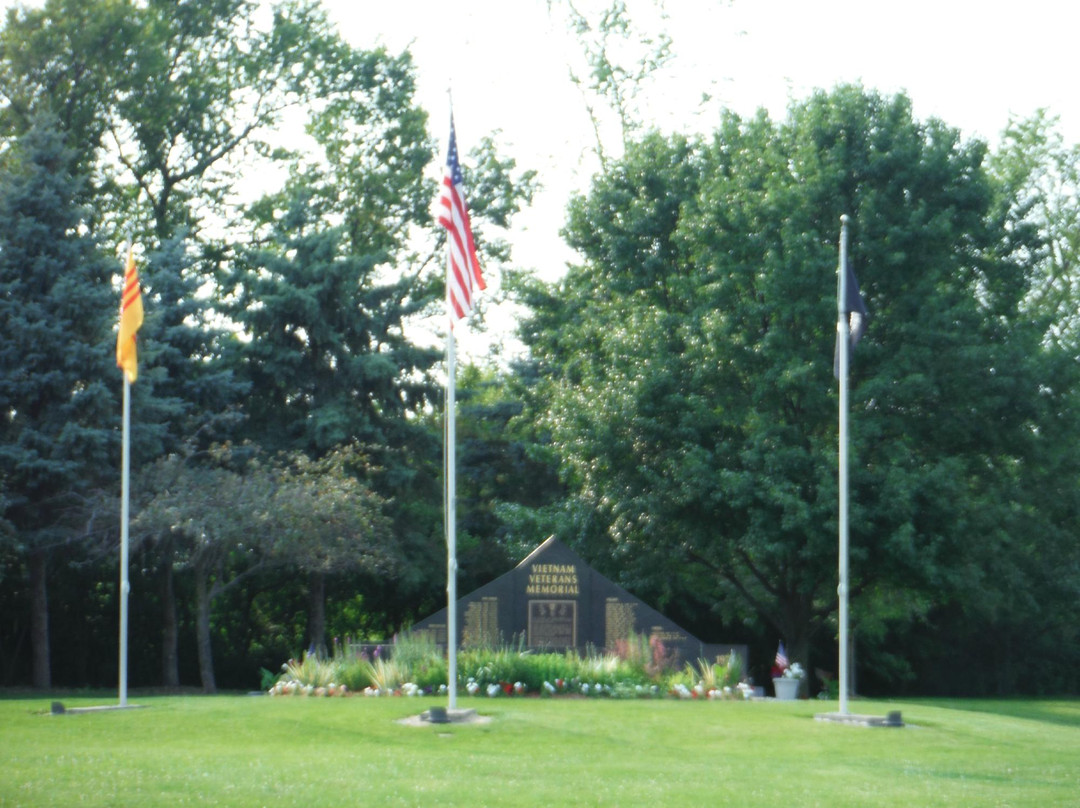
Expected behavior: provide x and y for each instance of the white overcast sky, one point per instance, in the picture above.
(972, 63)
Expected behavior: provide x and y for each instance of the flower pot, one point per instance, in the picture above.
(787, 689)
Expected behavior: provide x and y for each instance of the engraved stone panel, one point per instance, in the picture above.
(552, 624)
(481, 623)
(619, 621)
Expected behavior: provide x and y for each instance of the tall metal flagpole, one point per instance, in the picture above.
(125, 587)
(451, 520)
(451, 472)
(463, 281)
(843, 328)
(131, 318)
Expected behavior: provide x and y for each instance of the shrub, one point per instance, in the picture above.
(647, 654)
(414, 650)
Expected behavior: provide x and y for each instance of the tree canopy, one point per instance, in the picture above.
(675, 418)
(276, 182)
(688, 365)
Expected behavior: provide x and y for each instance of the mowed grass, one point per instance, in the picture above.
(261, 751)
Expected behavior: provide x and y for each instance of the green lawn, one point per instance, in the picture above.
(255, 751)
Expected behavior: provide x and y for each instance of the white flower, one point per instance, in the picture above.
(493, 690)
(795, 671)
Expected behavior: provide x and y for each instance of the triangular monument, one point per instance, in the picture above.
(555, 601)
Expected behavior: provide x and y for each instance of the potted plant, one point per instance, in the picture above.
(787, 677)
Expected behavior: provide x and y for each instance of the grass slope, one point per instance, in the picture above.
(255, 751)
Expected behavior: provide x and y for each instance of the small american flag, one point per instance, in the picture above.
(463, 277)
(781, 657)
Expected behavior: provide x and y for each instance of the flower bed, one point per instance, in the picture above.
(415, 668)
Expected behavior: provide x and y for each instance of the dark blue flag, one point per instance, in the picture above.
(855, 310)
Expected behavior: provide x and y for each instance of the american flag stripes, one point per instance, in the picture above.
(463, 277)
(781, 660)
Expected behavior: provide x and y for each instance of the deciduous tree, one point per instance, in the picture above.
(689, 363)
(231, 519)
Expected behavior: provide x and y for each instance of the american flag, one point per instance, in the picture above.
(781, 657)
(463, 277)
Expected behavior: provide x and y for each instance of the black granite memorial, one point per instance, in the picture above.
(554, 601)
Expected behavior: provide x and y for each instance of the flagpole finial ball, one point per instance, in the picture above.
(844, 219)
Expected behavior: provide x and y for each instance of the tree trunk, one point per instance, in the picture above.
(202, 628)
(800, 652)
(39, 619)
(316, 627)
(797, 627)
(170, 634)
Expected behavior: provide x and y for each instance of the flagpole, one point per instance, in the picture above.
(844, 350)
(125, 587)
(463, 281)
(451, 521)
(131, 319)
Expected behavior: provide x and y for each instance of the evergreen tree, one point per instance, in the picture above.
(58, 381)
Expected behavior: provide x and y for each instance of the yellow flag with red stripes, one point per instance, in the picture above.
(131, 318)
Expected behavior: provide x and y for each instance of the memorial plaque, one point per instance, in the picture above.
(667, 636)
(552, 624)
(554, 600)
(619, 622)
(481, 623)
